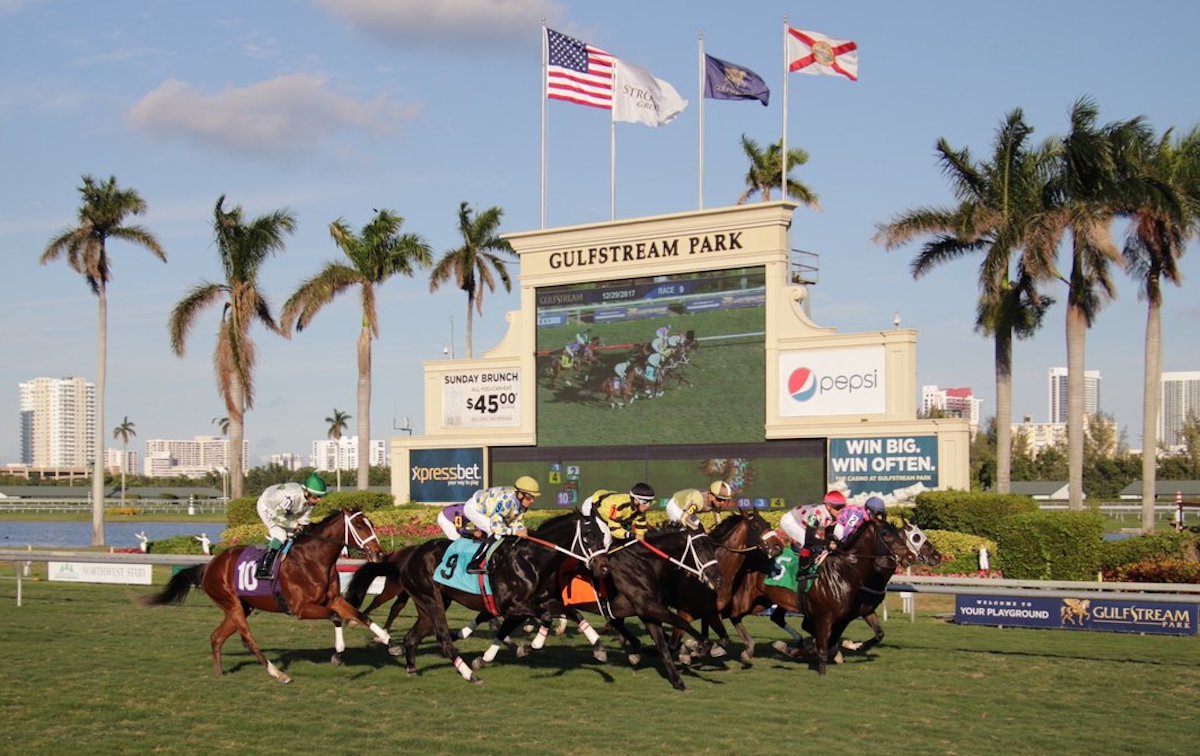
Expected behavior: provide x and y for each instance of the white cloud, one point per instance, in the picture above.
(446, 22)
(283, 115)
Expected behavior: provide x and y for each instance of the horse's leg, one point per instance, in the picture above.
(747, 641)
(436, 613)
(340, 607)
(599, 653)
(664, 653)
(235, 620)
(506, 627)
(779, 617)
(339, 641)
(474, 624)
(632, 643)
(821, 642)
(397, 607)
(420, 629)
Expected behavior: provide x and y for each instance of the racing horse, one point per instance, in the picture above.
(308, 586)
(523, 573)
(574, 361)
(619, 391)
(643, 579)
(736, 538)
(871, 595)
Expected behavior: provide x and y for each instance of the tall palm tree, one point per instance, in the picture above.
(103, 215)
(242, 247)
(379, 252)
(123, 432)
(996, 200)
(337, 426)
(766, 173)
(1162, 221)
(471, 266)
(1081, 198)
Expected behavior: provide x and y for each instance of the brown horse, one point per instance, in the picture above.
(307, 585)
(619, 392)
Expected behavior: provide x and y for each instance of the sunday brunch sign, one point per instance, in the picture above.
(481, 399)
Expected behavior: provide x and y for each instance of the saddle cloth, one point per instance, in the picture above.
(452, 570)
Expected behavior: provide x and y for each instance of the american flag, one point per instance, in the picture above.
(578, 72)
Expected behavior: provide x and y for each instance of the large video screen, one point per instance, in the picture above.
(665, 360)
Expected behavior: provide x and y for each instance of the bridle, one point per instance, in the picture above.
(350, 532)
(578, 548)
(695, 568)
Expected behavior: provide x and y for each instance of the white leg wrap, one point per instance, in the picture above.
(592, 636)
(539, 640)
(339, 639)
(463, 668)
(466, 631)
(491, 652)
(380, 633)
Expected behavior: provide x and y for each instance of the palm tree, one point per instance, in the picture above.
(375, 255)
(123, 432)
(337, 425)
(1161, 224)
(471, 265)
(102, 216)
(766, 173)
(996, 200)
(242, 248)
(1081, 198)
(223, 424)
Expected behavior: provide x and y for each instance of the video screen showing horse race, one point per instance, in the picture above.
(674, 359)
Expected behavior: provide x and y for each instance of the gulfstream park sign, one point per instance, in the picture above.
(646, 250)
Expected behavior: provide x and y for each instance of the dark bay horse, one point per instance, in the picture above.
(523, 573)
(873, 591)
(644, 579)
(308, 585)
(736, 538)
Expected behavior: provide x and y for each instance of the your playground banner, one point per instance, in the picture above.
(1110, 615)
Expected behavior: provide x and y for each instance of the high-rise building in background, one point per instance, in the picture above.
(1058, 393)
(287, 461)
(1180, 397)
(119, 460)
(189, 459)
(952, 402)
(329, 455)
(58, 422)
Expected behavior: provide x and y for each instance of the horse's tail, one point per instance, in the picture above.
(177, 588)
(356, 590)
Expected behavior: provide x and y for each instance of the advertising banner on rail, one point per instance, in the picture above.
(884, 464)
(1110, 615)
(444, 475)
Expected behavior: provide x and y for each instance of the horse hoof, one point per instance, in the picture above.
(717, 652)
(475, 681)
(284, 679)
(746, 657)
(336, 660)
(478, 664)
(838, 658)
(600, 655)
(782, 647)
(685, 660)
(395, 650)
(635, 659)
(412, 671)
(851, 645)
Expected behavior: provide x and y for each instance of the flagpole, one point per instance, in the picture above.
(612, 170)
(783, 141)
(700, 135)
(542, 97)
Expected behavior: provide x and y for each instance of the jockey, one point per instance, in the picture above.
(686, 505)
(454, 523)
(849, 520)
(807, 526)
(285, 508)
(652, 375)
(499, 511)
(623, 515)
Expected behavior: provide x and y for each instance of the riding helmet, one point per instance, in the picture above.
(315, 486)
(875, 504)
(642, 492)
(721, 490)
(835, 499)
(529, 485)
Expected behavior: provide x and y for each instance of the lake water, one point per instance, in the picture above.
(118, 535)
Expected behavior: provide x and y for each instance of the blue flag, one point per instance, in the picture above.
(726, 81)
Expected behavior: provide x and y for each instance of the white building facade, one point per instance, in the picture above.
(168, 458)
(1180, 398)
(119, 460)
(57, 425)
(1057, 394)
(287, 461)
(329, 455)
(952, 402)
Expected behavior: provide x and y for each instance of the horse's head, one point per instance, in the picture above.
(885, 542)
(360, 535)
(704, 555)
(762, 535)
(919, 545)
(591, 537)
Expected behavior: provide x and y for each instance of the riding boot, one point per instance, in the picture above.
(265, 564)
(476, 566)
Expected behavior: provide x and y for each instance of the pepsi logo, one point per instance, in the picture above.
(802, 384)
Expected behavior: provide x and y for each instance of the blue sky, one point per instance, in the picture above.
(334, 107)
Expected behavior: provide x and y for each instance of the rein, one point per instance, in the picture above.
(696, 572)
(360, 543)
(583, 555)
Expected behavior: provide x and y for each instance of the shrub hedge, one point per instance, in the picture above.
(967, 512)
(1050, 545)
(1167, 546)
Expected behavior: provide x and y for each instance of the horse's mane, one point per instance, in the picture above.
(556, 521)
(724, 528)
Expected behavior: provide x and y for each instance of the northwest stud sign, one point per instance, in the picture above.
(481, 399)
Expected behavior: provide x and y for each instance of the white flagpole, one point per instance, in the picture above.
(700, 136)
(542, 97)
(783, 142)
(612, 170)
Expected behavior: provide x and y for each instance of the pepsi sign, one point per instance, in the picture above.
(822, 383)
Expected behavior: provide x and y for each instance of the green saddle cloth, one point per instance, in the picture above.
(786, 572)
